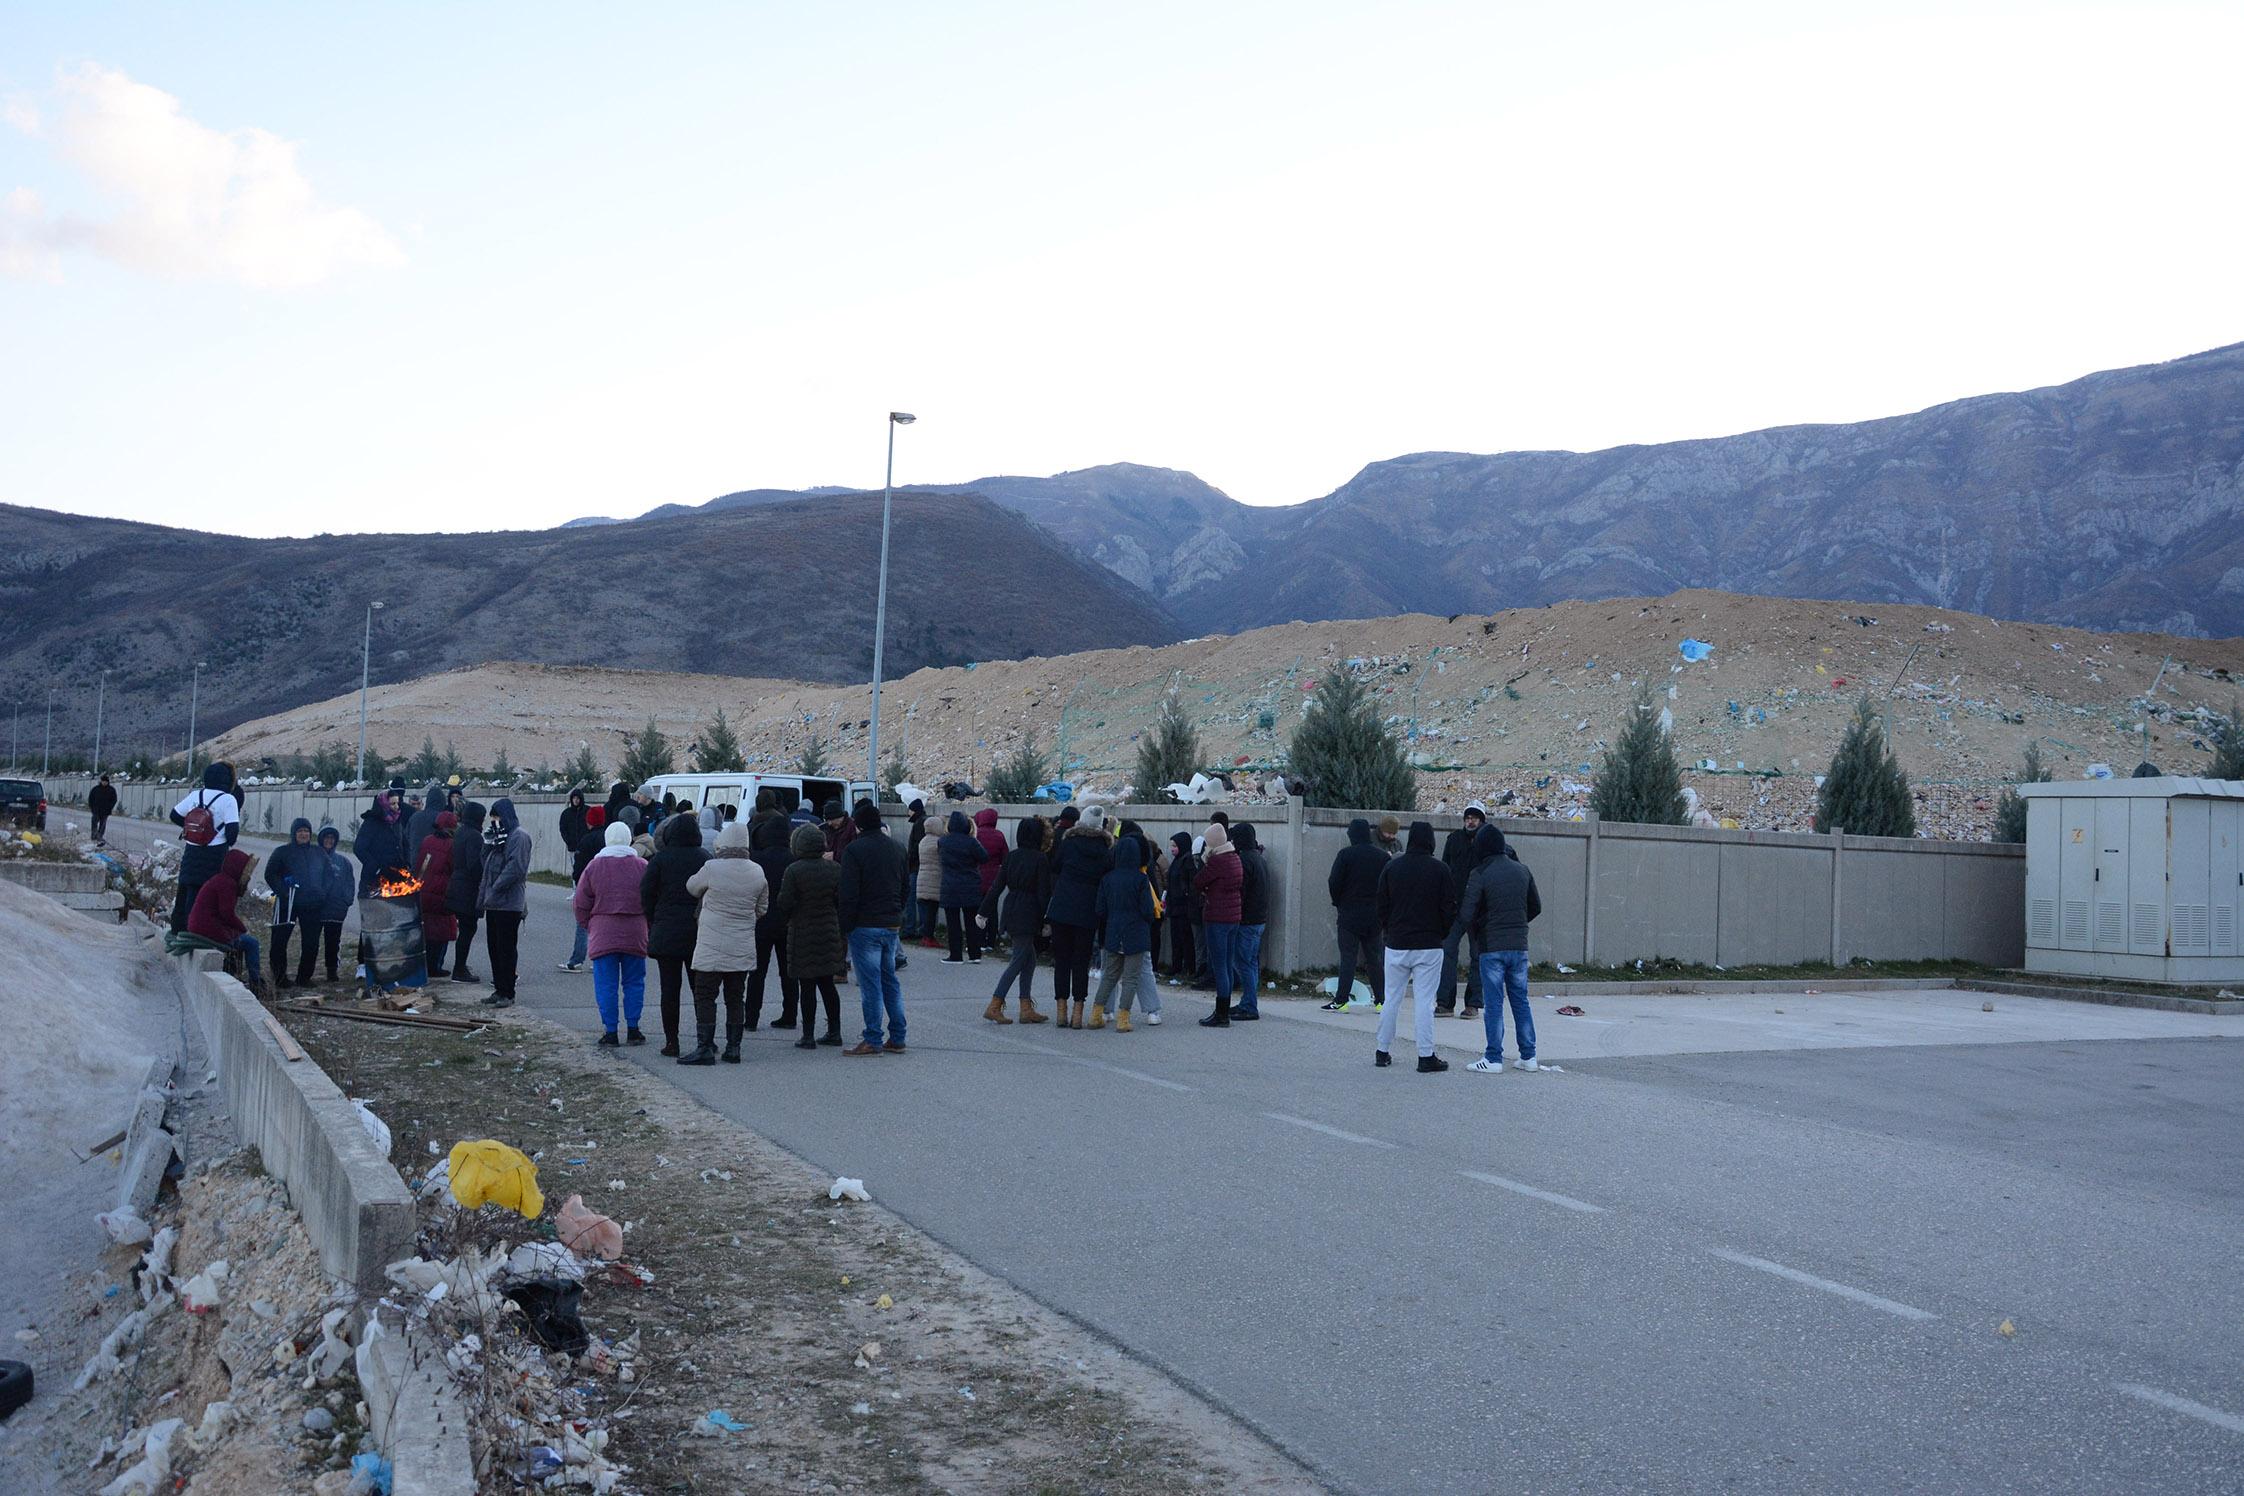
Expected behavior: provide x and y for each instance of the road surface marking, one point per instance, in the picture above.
(1568, 1201)
(1151, 1080)
(1330, 1132)
(2214, 1416)
(1809, 1280)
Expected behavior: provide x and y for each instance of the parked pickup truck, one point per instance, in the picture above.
(23, 804)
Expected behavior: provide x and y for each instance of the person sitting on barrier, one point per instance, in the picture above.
(216, 919)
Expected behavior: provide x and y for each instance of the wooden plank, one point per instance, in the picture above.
(289, 1048)
(448, 1025)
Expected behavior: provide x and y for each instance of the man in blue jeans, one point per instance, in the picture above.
(872, 907)
(1500, 900)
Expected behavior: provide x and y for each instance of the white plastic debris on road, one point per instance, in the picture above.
(848, 1189)
(106, 1360)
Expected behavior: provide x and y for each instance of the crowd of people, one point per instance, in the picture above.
(812, 899)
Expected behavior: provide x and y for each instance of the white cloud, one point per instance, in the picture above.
(191, 202)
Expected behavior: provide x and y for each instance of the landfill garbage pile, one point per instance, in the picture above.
(1512, 708)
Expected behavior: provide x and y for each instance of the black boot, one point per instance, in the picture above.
(1428, 1064)
(731, 1055)
(704, 1052)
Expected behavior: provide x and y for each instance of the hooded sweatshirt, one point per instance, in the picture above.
(1122, 910)
(1457, 852)
(435, 866)
(993, 843)
(338, 879)
(1354, 880)
(1184, 898)
(1501, 897)
(734, 896)
(467, 861)
(872, 875)
(962, 857)
(768, 837)
(671, 909)
(421, 825)
(1219, 879)
(297, 875)
(213, 917)
(380, 844)
(1416, 901)
(573, 823)
(1023, 885)
(1254, 876)
(506, 862)
(218, 795)
(606, 902)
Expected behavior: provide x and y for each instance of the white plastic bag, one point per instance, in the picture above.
(848, 1189)
(375, 1127)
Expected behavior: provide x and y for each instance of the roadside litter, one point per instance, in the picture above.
(714, 1423)
(552, 1311)
(1570, 1010)
(487, 1170)
(848, 1189)
(586, 1232)
(375, 1127)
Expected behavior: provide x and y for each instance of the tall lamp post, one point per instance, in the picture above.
(194, 698)
(101, 697)
(365, 663)
(896, 418)
(15, 737)
(46, 746)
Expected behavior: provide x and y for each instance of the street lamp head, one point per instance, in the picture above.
(377, 607)
(902, 418)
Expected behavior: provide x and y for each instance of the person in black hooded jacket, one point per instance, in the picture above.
(572, 818)
(768, 834)
(1182, 914)
(673, 912)
(1499, 902)
(1254, 920)
(1459, 856)
(467, 882)
(1354, 887)
(1015, 903)
(1416, 903)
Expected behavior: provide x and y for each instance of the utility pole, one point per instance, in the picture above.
(46, 748)
(896, 418)
(194, 698)
(365, 662)
(101, 697)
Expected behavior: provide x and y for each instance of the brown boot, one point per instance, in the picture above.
(1030, 1015)
(1098, 1015)
(1077, 1021)
(995, 1012)
(1122, 1020)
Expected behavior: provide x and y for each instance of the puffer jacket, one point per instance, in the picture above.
(607, 904)
(810, 898)
(767, 847)
(338, 882)
(467, 861)
(506, 862)
(1084, 857)
(1500, 898)
(1022, 888)
(1123, 906)
(1218, 885)
(670, 906)
(927, 882)
(962, 857)
(434, 864)
(993, 844)
(734, 895)
(214, 917)
(297, 876)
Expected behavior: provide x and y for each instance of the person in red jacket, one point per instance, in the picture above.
(1219, 882)
(993, 843)
(213, 917)
(432, 863)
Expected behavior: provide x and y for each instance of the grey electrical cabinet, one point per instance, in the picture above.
(2136, 878)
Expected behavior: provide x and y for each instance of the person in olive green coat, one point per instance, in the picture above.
(810, 900)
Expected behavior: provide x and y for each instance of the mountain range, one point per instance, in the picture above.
(2113, 502)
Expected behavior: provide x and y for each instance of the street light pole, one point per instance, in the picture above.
(47, 747)
(896, 418)
(365, 663)
(101, 697)
(15, 737)
(194, 698)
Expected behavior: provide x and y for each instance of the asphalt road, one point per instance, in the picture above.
(1778, 1270)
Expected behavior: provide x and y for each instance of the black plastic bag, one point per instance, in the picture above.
(550, 1307)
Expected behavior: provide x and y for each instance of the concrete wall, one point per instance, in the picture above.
(1612, 894)
(354, 1204)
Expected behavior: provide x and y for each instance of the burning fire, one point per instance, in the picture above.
(394, 886)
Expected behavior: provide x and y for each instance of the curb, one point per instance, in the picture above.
(2108, 997)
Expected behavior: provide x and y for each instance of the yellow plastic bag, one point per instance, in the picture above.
(486, 1170)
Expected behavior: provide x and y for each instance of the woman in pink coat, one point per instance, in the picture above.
(615, 924)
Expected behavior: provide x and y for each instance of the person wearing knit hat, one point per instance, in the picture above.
(1218, 884)
(1458, 854)
(1389, 837)
(733, 895)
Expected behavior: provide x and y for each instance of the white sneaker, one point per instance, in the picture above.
(1538, 1068)
(1487, 1067)
(1153, 1019)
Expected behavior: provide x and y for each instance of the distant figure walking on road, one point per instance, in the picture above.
(1417, 904)
(1499, 902)
(607, 904)
(101, 803)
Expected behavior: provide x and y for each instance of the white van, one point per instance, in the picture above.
(740, 789)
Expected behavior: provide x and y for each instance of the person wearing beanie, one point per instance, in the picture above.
(840, 829)
(1416, 904)
(504, 899)
(1015, 903)
(1389, 839)
(810, 898)
(608, 904)
(1084, 856)
(671, 911)
(1499, 902)
(871, 907)
(962, 856)
(1458, 854)
(733, 895)
(1218, 886)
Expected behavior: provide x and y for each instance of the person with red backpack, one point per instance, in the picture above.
(209, 819)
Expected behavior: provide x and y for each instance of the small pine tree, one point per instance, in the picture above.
(813, 760)
(646, 754)
(502, 772)
(451, 764)
(1345, 754)
(2010, 810)
(331, 763)
(377, 766)
(1864, 791)
(1169, 754)
(583, 768)
(2228, 748)
(1640, 780)
(716, 749)
(426, 765)
(892, 774)
(1015, 779)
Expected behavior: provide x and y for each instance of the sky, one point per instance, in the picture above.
(285, 269)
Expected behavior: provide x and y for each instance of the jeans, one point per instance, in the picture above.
(1149, 984)
(246, 943)
(872, 951)
(608, 972)
(1247, 959)
(1222, 941)
(1449, 964)
(1361, 945)
(1415, 972)
(576, 952)
(1503, 979)
(1023, 965)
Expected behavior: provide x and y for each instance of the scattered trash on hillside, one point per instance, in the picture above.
(489, 1171)
(586, 1232)
(848, 1189)
(1694, 650)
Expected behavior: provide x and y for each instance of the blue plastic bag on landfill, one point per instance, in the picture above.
(1695, 650)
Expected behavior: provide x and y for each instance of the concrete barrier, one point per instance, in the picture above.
(355, 1206)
